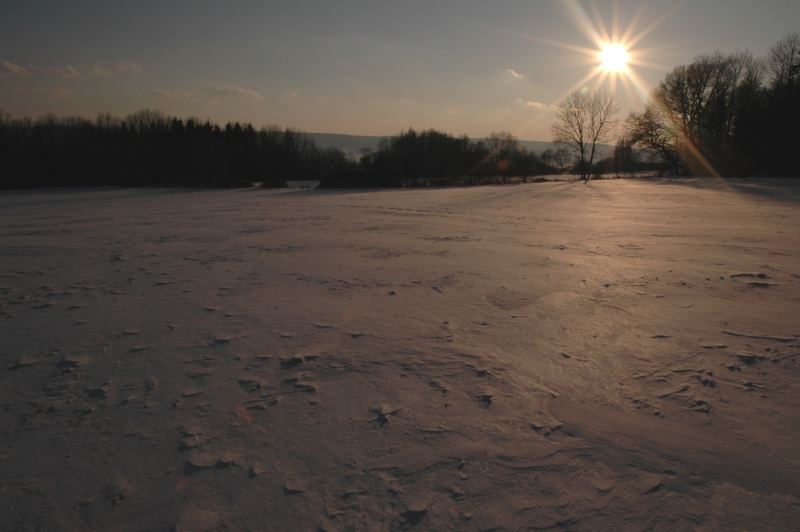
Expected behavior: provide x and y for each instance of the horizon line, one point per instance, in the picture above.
(307, 132)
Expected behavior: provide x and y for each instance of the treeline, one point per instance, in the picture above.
(725, 114)
(149, 148)
(434, 158)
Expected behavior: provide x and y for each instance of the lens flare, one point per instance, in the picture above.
(613, 57)
(615, 54)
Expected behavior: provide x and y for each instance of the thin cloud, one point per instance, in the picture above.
(66, 71)
(532, 104)
(8, 69)
(172, 93)
(112, 68)
(104, 69)
(513, 75)
(52, 92)
(229, 90)
(211, 90)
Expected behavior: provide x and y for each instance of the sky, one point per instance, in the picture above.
(359, 67)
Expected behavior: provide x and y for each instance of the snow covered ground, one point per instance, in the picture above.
(616, 355)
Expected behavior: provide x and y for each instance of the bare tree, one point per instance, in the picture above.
(784, 61)
(625, 158)
(561, 157)
(583, 120)
(701, 99)
(502, 145)
(701, 113)
(547, 158)
(653, 131)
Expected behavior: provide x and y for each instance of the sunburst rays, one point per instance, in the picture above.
(615, 59)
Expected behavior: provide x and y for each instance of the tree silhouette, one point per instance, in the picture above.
(725, 114)
(583, 120)
(148, 148)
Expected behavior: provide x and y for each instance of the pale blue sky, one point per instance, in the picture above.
(365, 67)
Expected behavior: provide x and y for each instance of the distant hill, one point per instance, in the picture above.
(355, 145)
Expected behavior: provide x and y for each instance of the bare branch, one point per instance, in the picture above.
(583, 120)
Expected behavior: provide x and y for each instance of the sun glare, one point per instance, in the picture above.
(613, 57)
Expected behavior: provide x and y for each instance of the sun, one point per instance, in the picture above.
(613, 57)
(615, 53)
